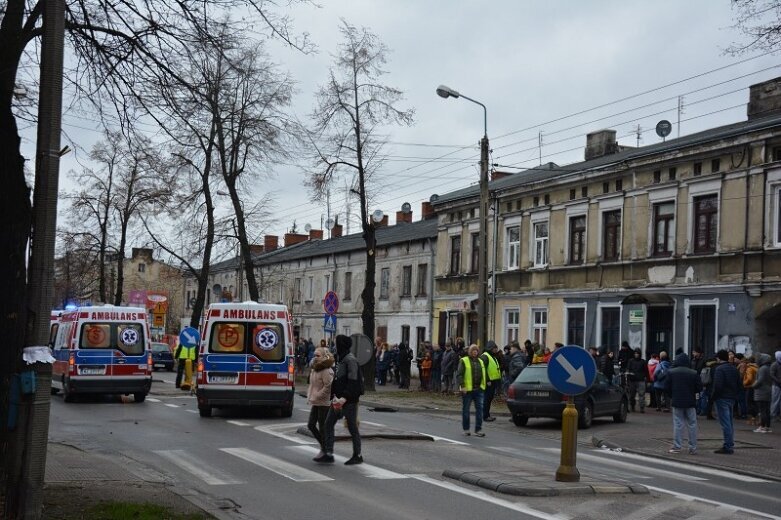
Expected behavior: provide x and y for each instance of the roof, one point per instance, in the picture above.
(553, 171)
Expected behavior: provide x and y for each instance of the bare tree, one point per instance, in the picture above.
(351, 108)
(760, 22)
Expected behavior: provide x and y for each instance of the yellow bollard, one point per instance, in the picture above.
(568, 471)
(188, 374)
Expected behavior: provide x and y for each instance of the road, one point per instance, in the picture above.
(257, 466)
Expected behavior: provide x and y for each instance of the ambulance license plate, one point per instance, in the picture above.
(534, 393)
(223, 380)
(92, 371)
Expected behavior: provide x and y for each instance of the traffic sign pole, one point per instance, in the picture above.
(568, 471)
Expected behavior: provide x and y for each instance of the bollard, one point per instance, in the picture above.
(568, 471)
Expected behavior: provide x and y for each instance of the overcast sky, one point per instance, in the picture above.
(532, 63)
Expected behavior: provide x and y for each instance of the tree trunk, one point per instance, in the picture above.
(121, 265)
(245, 252)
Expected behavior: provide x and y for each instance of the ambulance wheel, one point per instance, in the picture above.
(205, 411)
(286, 411)
(139, 397)
(67, 396)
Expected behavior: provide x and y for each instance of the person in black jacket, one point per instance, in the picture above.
(638, 375)
(405, 364)
(682, 384)
(726, 386)
(346, 390)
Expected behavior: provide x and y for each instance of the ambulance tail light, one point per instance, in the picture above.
(149, 363)
(199, 373)
(291, 370)
(72, 364)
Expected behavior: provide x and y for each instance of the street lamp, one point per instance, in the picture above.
(482, 265)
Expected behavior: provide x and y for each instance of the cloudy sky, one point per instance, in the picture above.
(556, 68)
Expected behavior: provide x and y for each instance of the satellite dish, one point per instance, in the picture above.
(377, 215)
(406, 207)
(663, 128)
(433, 198)
(307, 228)
(330, 223)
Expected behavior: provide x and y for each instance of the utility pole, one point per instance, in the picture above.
(639, 133)
(680, 111)
(539, 146)
(482, 282)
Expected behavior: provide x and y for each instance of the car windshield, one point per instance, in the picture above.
(160, 347)
(533, 375)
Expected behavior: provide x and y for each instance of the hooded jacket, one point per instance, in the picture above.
(763, 385)
(726, 381)
(320, 379)
(346, 383)
(775, 369)
(682, 383)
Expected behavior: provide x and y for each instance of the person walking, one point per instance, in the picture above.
(185, 355)
(660, 372)
(490, 359)
(775, 376)
(318, 395)
(346, 390)
(637, 375)
(726, 385)
(682, 384)
(763, 387)
(471, 379)
(624, 355)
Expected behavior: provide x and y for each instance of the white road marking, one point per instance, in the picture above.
(273, 429)
(211, 475)
(480, 495)
(729, 507)
(373, 424)
(192, 411)
(633, 466)
(445, 439)
(172, 405)
(278, 466)
(302, 409)
(367, 470)
(238, 423)
(689, 467)
(152, 400)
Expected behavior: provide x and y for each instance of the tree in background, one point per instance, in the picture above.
(352, 107)
(760, 22)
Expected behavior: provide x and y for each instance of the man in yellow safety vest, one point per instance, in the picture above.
(494, 373)
(471, 379)
(184, 355)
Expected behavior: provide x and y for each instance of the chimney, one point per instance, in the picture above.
(601, 143)
(294, 238)
(426, 211)
(382, 223)
(315, 234)
(256, 249)
(764, 99)
(336, 231)
(403, 218)
(499, 175)
(270, 242)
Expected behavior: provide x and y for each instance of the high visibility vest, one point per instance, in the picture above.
(186, 353)
(468, 373)
(494, 372)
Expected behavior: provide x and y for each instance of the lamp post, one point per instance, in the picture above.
(482, 264)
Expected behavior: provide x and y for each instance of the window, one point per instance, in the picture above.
(664, 228)
(141, 268)
(327, 282)
(610, 325)
(576, 326)
(697, 168)
(539, 326)
(619, 184)
(672, 173)
(715, 165)
(547, 199)
(540, 244)
(475, 253)
(605, 187)
(611, 239)
(706, 214)
(577, 239)
(406, 281)
(512, 319)
(778, 216)
(310, 289)
(657, 176)
(384, 283)
(572, 194)
(518, 204)
(348, 286)
(455, 255)
(777, 153)
(405, 334)
(584, 191)
(536, 201)
(297, 290)
(509, 207)
(513, 247)
(422, 279)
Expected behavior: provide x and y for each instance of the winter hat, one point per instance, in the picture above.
(678, 352)
(343, 344)
(490, 345)
(722, 355)
(681, 360)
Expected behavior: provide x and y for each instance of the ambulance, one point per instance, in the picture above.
(102, 350)
(246, 358)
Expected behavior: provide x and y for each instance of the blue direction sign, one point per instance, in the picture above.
(189, 337)
(572, 370)
(329, 323)
(330, 303)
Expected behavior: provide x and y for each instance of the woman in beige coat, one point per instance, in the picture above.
(319, 394)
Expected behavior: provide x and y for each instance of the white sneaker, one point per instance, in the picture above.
(760, 430)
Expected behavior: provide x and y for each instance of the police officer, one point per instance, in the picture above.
(494, 375)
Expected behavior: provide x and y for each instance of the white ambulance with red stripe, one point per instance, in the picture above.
(102, 350)
(246, 358)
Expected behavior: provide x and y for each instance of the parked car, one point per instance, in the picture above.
(162, 357)
(533, 395)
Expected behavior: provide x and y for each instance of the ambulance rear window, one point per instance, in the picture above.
(266, 340)
(126, 337)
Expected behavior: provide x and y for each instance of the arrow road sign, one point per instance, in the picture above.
(189, 337)
(329, 323)
(571, 370)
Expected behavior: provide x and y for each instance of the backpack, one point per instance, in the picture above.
(705, 376)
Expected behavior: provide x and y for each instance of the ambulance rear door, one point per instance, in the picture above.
(224, 357)
(268, 361)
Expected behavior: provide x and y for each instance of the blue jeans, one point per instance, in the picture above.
(689, 416)
(466, 400)
(724, 409)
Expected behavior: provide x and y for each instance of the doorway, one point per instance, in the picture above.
(659, 330)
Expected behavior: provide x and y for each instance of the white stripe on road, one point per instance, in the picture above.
(364, 469)
(302, 409)
(210, 475)
(278, 466)
(192, 411)
(689, 467)
(152, 400)
(633, 466)
(445, 439)
(480, 495)
(274, 429)
(238, 423)
(172, 405)
(729, 507)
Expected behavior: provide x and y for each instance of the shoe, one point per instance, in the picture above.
(759, 430)
(768, 430)
(479, 434)
(692, 452)
(724, 451)
(674, 450)
(355, 459)
(490, 419)
(466, 433)
(325, 459)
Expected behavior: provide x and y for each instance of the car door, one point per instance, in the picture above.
(600, 393)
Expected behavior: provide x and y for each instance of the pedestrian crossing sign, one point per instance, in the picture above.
(329, 323)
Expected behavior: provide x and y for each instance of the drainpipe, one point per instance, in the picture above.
(431, 290)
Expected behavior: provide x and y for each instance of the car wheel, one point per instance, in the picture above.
(54, 391)
(286, 411)
(586, 416)
(67, 396)
(623, 409)
(139, 397)
(520, 419)
(205, 411)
